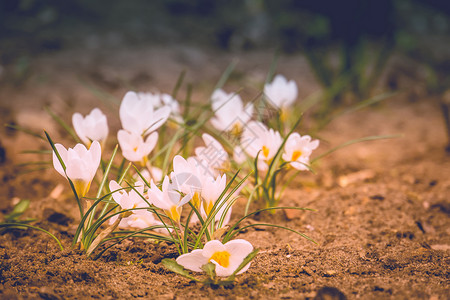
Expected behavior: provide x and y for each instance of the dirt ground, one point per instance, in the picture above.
(383, 214)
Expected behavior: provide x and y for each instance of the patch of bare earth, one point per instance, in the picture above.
(383, 214)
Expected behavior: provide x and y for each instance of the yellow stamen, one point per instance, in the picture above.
(296, 154)
(207, 206)
(225, 167)
(222, 258)
(236, 130)
(144, 161)
(283, 114)
(135, 149)
(196, 200)
(173, 213)
(265, 151)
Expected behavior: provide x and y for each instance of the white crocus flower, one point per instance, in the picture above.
(230, 113)
(168, 199)
(211, 192)
(190, 175)
(213, 154)
(227, 257)
(280, 92)
(140, 218)
(149, 174)
(138, 115)
(256, 138)
(148, 97)
(128, 200)
(93, 127)
(172, 103)
(81, 165)
(133, 146)
(298, 149)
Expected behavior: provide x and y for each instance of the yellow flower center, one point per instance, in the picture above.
(135, 149)
(296, 155)
(222, 258)
(283, 114)
(265, 151)
(196, 200)
(81, 187)
(207, 206)
(236, 130)
(173, 213)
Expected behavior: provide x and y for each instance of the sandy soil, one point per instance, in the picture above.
(383, 214)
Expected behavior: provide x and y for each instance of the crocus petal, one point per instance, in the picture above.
(193, 261)
(239, 247)
(56, 163)
(77, 122)
(212, 247)
(117, 195)
(130, 121)
(96, 155)
(160, 116)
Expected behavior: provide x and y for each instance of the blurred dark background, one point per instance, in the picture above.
(416, 28)
(291, 25)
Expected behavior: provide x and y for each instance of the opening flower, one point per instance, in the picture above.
(133, 146)
(230, 113)
(214, 154)
(128, 200)
(81, 165)
(133, 199)
(256, 138)
(138, 115)
(298, 149)
(154, 173)
(227, 257)
(280, 92)
(168, 199)
(189, 176)
(211, 192)
(93, 127)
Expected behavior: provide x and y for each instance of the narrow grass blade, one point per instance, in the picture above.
(63, 124)
(363, 104)
(236, 224)
(24, 130)
(16, 225)
(178, 84)
(348, 143)
(225, 75)
(36, 152)
(269, 225)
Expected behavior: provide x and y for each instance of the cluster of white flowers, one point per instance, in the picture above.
(200, 179)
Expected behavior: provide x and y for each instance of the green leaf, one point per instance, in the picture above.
(173, 266)
(18, 210)
(210, 270)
